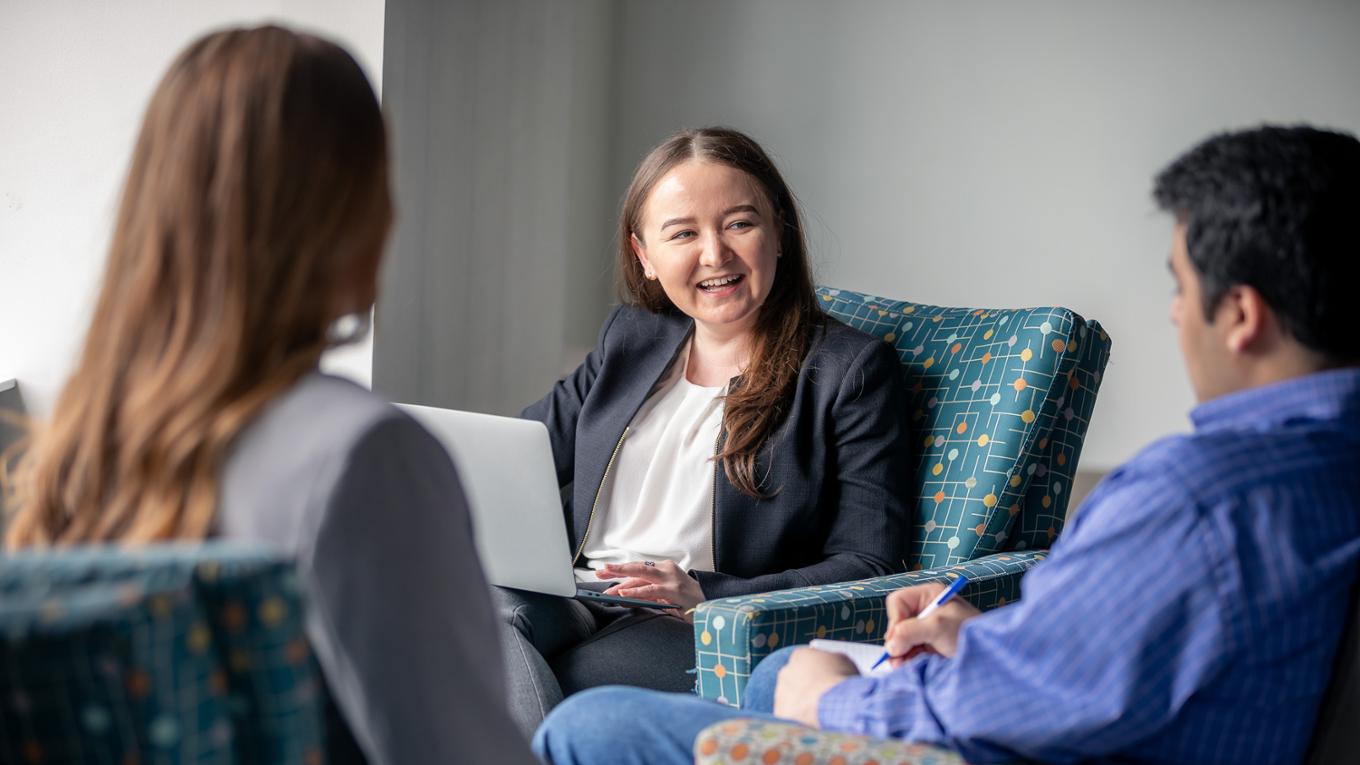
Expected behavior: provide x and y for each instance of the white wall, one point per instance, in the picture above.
(75, 79)
(994, 153)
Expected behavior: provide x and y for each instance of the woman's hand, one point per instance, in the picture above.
(938, 633)
(660, 581)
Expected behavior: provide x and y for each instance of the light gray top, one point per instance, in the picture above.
(399, 613)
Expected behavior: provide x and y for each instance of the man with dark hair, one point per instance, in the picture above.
(1192, 610)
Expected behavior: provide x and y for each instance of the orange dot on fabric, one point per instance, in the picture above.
(1015, 480)
(956, 347)
(983, 440)
(986, 357)
(1059, 346)
(1047, 501)
(1019, 384)
(837, 760)
(989, 501)
(980, 528)
(929, 440)
(1062, 459)
(740, 751)
(1014, 509)
(805, 758)
(939, 497)
(1027, 416)
(987, 335)
(138, 684)
(774, 640)
(1072, 346)
(708, 746)
(891, 336)
(771, 757)
(1072, 382)
(962, 428)
(849, 746)
(1026, 355)
(720, 671)
(869, 626)
(1043, 442)
(928, 363)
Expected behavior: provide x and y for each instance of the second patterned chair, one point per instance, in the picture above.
(999, 402)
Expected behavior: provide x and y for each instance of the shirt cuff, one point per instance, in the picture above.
(840, 707)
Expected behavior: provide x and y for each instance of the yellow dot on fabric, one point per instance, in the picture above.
(983, 440)
(928, 363)
(882, 313)
(1026, 355)
(929, 440)
(891, 336)
(706, 637)
(987, 335)
(272, 611)
(962, 428)
(909, 309)
(827, 298)
(989, 500)
(869, 626)
(721, 671)
(1015, 480)
(199, 638)
(1062, 459)
(1019, 384)
(160, 606)
(937, 319)
(1047, 501)
(939, 497)
(774, 640)
(1072, 346)
(821, 631)
(1059, 346)
(1027, 415)
(939, 468)
(1001, 601)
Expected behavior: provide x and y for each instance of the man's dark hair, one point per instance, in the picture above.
(1276, 209)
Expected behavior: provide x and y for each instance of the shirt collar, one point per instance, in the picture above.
(1330, 395)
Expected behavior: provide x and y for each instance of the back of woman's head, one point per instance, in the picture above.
(253, 216)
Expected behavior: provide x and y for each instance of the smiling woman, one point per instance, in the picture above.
(724, 437)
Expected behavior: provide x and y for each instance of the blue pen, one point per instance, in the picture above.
(941, 599)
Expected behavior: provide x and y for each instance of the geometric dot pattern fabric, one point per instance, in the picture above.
(999, 401)
(776, 743)
(169, 653)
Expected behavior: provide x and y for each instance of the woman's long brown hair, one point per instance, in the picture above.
(254, 213)
(755, 408)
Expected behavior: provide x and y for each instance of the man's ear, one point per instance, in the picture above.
(1247, 318)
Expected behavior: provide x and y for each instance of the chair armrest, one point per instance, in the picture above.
(787, 744)
(732, 635)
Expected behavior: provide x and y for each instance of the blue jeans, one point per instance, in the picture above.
(619, 724)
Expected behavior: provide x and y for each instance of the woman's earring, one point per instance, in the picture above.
(651, 276)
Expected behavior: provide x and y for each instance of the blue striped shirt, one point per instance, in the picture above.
(1190, 614)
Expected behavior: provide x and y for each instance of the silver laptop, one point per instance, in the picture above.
(506, 466)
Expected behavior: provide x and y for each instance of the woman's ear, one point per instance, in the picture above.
(640, 252)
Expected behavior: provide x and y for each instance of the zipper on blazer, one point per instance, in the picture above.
(598, 491)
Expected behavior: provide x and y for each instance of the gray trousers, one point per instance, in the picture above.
(556, 646)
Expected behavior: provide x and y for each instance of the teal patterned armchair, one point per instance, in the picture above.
(999, 405)
(173, 654)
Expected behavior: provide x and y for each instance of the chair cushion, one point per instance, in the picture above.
(999, 401)
(192, 654)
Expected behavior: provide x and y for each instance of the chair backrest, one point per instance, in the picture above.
(1336, 736)
(170, 654)
(1000, 400)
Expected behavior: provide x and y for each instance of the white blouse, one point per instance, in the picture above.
(657, 501)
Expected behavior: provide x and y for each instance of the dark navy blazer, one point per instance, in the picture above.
(835, 469)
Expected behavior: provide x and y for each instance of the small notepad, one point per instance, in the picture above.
(863, 655)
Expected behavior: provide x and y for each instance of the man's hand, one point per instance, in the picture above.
(938, 633)
(661, 581)
(802, 682)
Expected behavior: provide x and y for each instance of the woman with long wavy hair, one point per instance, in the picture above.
(725, 437)
(253, 219)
